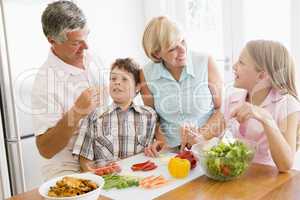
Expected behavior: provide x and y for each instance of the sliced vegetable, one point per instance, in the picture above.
(107, 169)
(153, 182)
(189, 156)
(145, 166)
(119, 182)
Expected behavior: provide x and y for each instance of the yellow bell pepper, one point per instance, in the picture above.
(179, 168)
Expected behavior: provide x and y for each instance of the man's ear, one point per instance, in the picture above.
(51, 40)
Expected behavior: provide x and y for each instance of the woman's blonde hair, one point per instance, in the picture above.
(274, 58)
(160, 33)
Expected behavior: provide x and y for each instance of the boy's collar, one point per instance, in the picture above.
(115, 106)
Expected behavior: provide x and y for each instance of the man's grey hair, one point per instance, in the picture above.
(61, 17)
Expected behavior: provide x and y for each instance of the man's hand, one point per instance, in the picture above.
(154, 149)
(87, 101)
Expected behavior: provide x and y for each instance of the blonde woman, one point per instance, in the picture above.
(184, 87)
(267, 109)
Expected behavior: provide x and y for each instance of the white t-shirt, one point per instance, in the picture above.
(55, 90)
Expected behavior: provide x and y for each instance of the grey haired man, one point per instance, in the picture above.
(68, 87)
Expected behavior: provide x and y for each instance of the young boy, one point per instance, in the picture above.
(121, 129)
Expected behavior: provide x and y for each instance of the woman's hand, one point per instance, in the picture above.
(189, 136)
(246, 111)
(153, 149)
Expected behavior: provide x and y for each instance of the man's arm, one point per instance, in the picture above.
(56, 138)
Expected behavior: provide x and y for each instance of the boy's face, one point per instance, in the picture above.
(122, 86)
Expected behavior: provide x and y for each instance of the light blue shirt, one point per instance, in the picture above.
(188, 100)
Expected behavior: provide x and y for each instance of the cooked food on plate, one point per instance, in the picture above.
(71, 186)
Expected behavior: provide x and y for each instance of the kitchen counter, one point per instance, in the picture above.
(259, 182)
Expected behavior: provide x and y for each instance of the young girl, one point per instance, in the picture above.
(267, 108)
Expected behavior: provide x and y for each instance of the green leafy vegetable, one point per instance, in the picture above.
(226, 161)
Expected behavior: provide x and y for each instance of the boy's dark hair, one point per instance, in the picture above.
(129, 65)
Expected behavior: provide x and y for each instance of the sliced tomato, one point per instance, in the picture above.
(225, 170)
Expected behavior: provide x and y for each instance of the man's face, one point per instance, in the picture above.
(72, 50)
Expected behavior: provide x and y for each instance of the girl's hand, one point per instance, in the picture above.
(246, 111)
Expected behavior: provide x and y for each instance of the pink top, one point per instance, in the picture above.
(280, 106)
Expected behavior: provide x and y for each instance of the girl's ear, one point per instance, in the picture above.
(263, 75)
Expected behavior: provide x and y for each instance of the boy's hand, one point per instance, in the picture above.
(85, 164)
(154, 149)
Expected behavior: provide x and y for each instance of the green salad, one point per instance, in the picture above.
(227, 160)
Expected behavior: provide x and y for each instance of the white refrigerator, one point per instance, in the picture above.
(21, 41)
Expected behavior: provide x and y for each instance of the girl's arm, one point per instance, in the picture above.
(282, 140)
(282, 137)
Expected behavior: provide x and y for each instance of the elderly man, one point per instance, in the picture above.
(67, 88)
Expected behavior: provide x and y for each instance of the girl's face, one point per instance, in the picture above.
(245, 74)
(174, 56)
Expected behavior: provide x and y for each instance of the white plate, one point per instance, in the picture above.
(92, 195)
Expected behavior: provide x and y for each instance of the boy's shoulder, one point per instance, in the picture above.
(145, 109)
(100, 112)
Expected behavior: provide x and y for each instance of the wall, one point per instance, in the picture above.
(295, 44)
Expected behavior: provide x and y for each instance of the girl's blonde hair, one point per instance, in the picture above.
(274, 58)
(160, 33)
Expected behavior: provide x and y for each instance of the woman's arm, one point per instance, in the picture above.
(160, 141)
(145, 92)
(215, 83)
(215, 124)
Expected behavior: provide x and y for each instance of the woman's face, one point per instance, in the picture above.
(245, 74)
(174, 56)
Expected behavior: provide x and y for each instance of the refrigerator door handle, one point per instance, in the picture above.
(12, 140)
